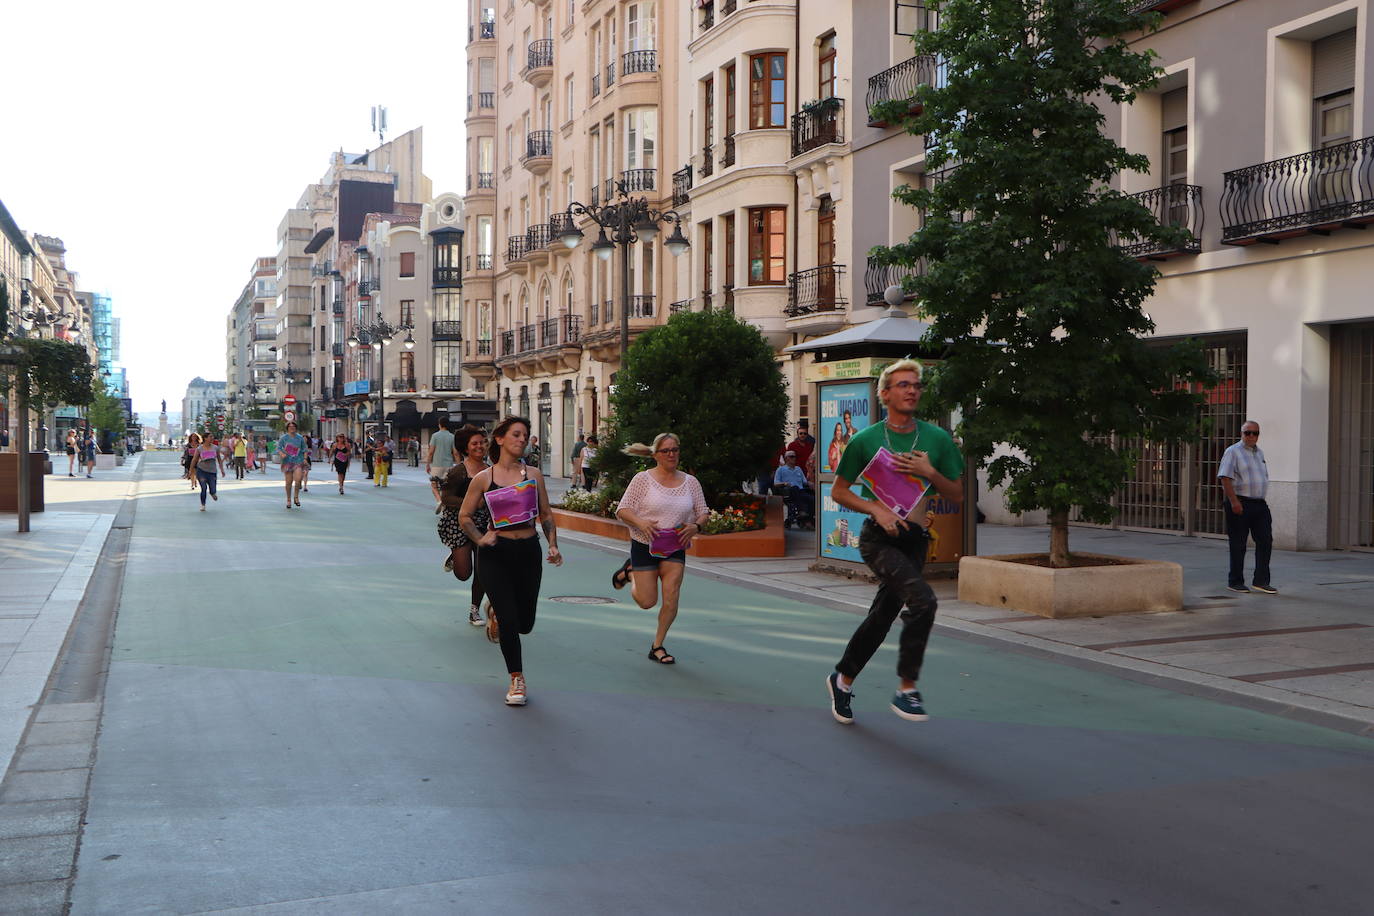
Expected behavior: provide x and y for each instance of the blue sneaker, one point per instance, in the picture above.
(839, 700)
(908, 706)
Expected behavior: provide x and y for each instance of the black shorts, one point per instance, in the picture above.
(642, 560)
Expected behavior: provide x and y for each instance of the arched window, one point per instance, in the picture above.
(545, 301)
(568, 294)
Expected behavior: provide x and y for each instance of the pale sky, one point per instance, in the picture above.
(163, 142)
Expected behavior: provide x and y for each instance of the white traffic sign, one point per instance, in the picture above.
(288, 415)
(289, 400)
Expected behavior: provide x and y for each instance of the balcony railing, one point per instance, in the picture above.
(899, 82)
(562, 331)
(608, 311)
(727, 8)
(708, 16)
(637, 179)
(336, 350)
(448, 276)
(403, 384)
(1317, 191)
(448, 383)
(485, 31)
(368, 287)
(538, 237)
(558, 224)
(1157, 6)
(527, 337)
(337, 307)
(594, 313)
(638, 62)
(539, 143)
(878, 277)
(484, 348)
(608, 191)
(596, 84)
(641, 306)
(818, 125)
(486, 180)
(322, 270)
(540, 54)
(728, 299)
(708, 164)
(486, 100)
(447, 330)
(1177, 205)
(681, 305)
(516, 246)
(682, 186)
(727, 153)
(507, 343)
(610, 75)
(484, 262)
(820, 289)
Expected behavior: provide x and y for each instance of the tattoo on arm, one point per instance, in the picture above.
(549, 530)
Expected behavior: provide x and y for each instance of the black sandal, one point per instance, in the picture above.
(664, 658)
(621, 576)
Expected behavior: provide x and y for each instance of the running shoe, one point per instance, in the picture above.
(493, 628)
(907, 704)
(515, 696)
(448, 563)
(839, 700)
(1237, 588)
(474, 616)
(1266, 589)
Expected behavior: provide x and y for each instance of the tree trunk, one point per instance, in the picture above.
(1059, 539)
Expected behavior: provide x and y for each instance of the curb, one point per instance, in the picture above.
(1331, 714)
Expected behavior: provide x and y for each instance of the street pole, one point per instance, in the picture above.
(24, 492)
(622, 239)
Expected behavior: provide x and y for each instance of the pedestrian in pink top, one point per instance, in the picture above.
(664, 509)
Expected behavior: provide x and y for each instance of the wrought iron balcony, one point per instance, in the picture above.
(641, 306)
(337, 307)
(899, 82)
(539, 144)
(540, 54)
(594, 313)
(878, 277)
(484, 262)
(820, 289)
(728, 299)
(446, 330)
(516, 246)
(565, 330)
(610, 75)
(638, 62)
(1178, 205)
(596, 84)
(818, 125)
(448, 383)
(682, 186)
(681, 305)
(708, 16)
(727, 153)
(727, 8)
(526, 333)
(608, 311)
(368, 287)
(336, 350)
(486, 180)
(708, 164)
(484, 348)
(637, 179)
(507, 343)
(538, 237)
(448, 276)
(1316, 192)
(322, 270)
(403, 384)
(558, 224)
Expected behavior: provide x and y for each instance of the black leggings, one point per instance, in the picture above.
(511, 570)
(478, 590)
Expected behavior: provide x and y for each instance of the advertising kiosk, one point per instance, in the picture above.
(843, 380)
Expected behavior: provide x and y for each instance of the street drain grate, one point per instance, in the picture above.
(582, 599)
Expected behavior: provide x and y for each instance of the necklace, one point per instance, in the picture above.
(887, 440)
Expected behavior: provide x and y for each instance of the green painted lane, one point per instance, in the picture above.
(352, 586)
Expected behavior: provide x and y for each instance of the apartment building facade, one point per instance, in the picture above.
(566, 108)
(250, 335)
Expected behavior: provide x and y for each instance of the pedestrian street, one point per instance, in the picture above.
(298, 718)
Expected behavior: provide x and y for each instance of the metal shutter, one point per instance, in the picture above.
(1174, 109)
(1333, 64)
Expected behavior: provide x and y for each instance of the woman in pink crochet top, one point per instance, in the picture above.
(664, 509)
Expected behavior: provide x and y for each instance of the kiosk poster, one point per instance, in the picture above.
(839, 529)
(844, 411)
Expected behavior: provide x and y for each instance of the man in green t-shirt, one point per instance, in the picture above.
(895, 547)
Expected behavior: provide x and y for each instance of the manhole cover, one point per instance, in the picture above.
(583, 599)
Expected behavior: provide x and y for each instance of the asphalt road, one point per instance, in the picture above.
(299, 719)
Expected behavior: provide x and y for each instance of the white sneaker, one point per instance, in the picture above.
(515, 696)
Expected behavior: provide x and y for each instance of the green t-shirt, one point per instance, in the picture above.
(443, 449)
(927, 437)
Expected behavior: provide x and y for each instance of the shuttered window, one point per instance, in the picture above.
(1333, 64)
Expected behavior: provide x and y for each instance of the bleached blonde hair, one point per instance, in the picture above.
(906, 364)
(640, 450)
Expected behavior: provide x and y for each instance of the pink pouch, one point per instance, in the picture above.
(513, 505)
(666, 542)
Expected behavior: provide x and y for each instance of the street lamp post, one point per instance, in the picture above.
(628, 219)
(380, 333)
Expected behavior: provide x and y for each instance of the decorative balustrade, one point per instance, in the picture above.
(484, 347)
(448, 276)
(539, 144)
(526, 334)
(446, 330)
(448, 383)
(486, 100)
(540, 54)
(403, 384)
(818, 125)
(337, 308)
(878, 277)
(594, 313)
(681, 305)
(484, 262)
(368, 287)
(486, 180)
(336, 350)
(516, 247)
(899, 82)
(820, 289)
(507, 343)
(1177, 205)
(682, 186)
(638, 62)
(708, 165)
(642, 306)
(538, 237)
(1317, 191)
(637, 179)
(727, 153)
(560, 223)
(608, 311)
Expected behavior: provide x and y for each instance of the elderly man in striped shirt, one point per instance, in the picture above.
(1245, 478)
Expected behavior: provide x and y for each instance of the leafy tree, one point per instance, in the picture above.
(709, 378)
(50, 371)
(1038, 308)
(107, 414)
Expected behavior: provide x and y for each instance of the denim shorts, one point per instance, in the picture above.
(642, 560)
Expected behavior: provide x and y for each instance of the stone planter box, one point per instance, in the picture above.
(770, 541)
(1127, 586)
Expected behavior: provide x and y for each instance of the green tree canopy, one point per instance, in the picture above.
(51, 371)
(107, 414)
(1022, 280)
(709, 378)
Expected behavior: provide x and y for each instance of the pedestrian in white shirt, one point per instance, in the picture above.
(1244, 477)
